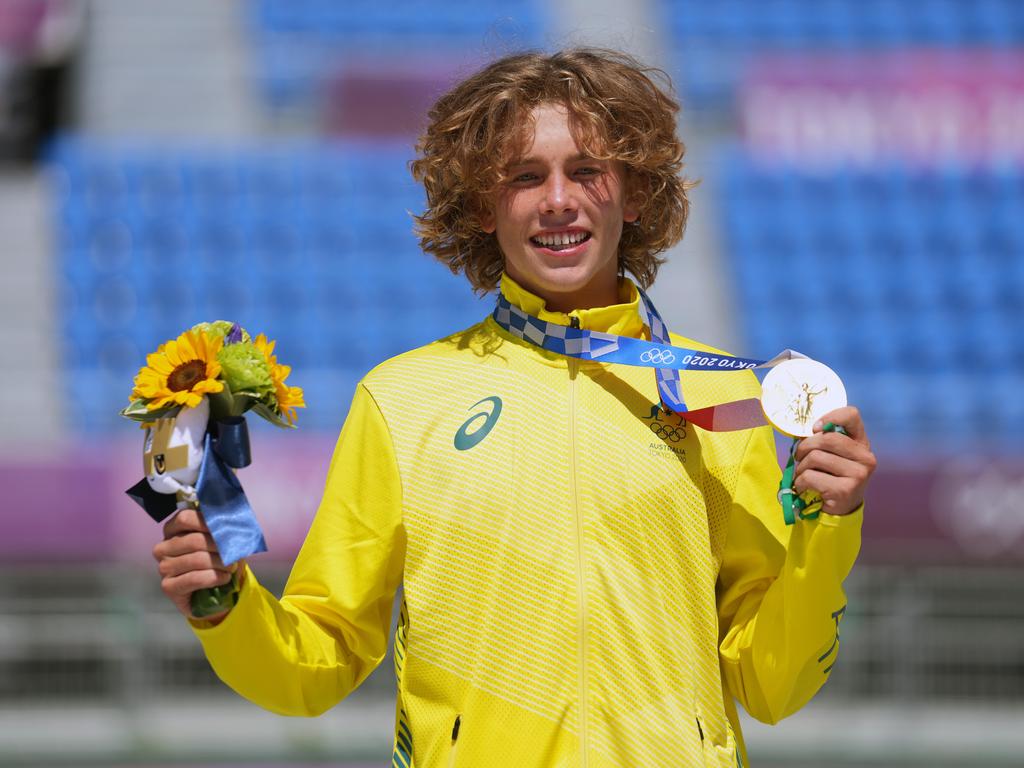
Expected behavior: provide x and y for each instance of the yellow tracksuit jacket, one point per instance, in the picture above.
(587, 581)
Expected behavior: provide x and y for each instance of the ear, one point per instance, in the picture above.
(487, 223)
(630, 206)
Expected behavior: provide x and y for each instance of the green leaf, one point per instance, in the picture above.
(138, 411)
(262, 409)
(135, 408)
(222, 404)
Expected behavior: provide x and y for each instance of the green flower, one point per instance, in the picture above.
(245, 369)
(221, 329)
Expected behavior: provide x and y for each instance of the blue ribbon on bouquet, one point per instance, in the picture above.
(222, 501)
(659, 354)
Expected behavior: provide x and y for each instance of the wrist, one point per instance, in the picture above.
(843, 511)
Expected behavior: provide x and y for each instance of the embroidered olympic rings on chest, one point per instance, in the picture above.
(667, 431)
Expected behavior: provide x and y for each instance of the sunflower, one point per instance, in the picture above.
(288, 398)
(180, 372)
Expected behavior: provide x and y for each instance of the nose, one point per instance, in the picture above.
(558, 196)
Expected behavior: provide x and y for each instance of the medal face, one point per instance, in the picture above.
(798, 392)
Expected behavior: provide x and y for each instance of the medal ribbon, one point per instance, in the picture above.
(659, 353)
(806, 505)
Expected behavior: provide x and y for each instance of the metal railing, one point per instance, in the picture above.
(108, 635)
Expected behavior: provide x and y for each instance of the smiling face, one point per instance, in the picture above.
(559, 217)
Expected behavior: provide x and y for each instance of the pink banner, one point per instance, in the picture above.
(72, 507)
(380, 97)
(959, 510)
(913, 107)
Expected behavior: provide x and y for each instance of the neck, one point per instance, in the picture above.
(568, 304)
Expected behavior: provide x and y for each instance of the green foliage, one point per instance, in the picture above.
(270, 414)
(137, 411)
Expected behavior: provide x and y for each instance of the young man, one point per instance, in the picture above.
(588, 579)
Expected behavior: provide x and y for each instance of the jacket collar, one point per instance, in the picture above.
(622, 319)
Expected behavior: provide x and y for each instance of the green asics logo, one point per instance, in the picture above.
(464, 439)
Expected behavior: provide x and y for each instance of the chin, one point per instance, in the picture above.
(565, 279)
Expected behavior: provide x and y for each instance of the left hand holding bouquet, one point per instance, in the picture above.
(191, 397)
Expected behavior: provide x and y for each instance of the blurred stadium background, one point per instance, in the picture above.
(862, 200)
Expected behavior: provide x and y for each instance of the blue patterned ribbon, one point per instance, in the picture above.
(659, 353)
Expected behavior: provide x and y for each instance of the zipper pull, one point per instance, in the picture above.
(455, 728)
(573, 364)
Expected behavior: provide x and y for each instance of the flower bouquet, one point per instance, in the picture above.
(191, 397)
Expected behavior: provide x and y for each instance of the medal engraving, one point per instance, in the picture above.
(798, 392)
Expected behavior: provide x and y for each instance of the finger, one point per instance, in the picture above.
(832, 442)
(177, 587)
(837, 493)
(848, 417)
(193, 561)
(832, 464)
(185, 520)
(184, 543)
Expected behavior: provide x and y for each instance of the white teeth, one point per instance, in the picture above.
(561, 238)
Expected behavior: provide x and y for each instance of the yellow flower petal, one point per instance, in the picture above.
(288, 398)
(151, 383)
(158, 361)
(207, 386)
(188, 399)
(187, 347)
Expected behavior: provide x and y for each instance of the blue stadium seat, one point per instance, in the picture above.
(309, 244)
(714, 41)
(299, 44)
(1003, 398)
(926, 299)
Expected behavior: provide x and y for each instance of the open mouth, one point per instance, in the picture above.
(560, 241)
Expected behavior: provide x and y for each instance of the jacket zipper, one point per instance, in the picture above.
(455, 739)
(582, 626)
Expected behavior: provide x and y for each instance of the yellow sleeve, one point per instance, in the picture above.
(303, 654)
(780, 596)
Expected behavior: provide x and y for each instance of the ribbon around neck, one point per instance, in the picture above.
(659, 353)
(222, 501)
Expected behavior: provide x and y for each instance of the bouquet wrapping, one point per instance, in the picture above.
(191, 397)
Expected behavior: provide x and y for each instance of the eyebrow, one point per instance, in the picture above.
(581, 156)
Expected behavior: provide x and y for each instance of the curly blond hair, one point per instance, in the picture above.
(617, 112)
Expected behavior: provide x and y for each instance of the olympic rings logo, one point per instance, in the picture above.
(667, 431)
(658, 356)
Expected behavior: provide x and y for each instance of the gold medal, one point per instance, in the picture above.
(798, 392)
